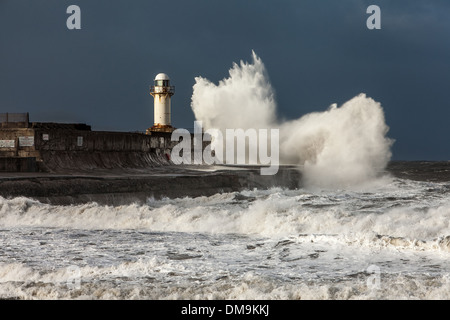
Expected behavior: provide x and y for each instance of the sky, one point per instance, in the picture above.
(316, 52)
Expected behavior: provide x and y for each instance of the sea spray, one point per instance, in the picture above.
(340, 147)
(243, 100)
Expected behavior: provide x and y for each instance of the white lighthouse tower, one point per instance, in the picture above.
(162, 91)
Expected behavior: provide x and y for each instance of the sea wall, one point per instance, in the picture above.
(60, 147)
(17, 142)
(18, 164)
(86, 150)
(118, 189)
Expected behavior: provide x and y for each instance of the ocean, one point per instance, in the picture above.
(389, 239)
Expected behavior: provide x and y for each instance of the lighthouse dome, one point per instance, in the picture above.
(162, 76)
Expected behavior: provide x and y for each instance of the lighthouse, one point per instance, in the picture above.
(162, 92)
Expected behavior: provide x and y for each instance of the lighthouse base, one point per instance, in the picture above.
(160, 128)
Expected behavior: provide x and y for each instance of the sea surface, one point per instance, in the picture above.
(388, 239)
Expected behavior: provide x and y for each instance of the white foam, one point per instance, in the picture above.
(274, 212)
(148, 280)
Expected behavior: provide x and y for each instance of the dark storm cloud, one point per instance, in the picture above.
(316, 53)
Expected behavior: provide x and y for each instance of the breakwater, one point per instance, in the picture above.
(54, 147)
(116, 187)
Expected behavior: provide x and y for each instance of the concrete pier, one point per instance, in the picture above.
(53, 147)
(117, 186)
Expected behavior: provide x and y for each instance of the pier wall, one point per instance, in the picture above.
(56, 147)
